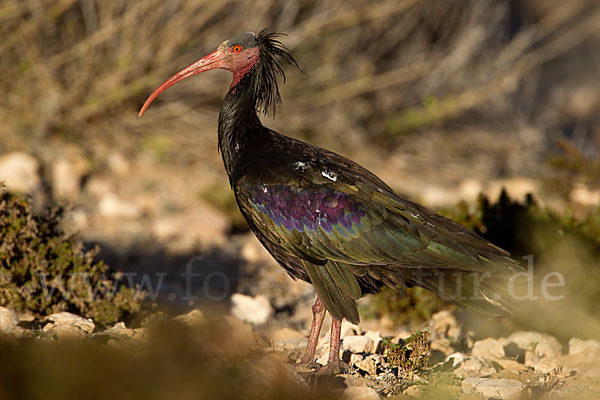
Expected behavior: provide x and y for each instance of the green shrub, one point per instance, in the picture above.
(43, 270)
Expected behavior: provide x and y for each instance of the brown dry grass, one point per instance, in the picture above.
(79, 69)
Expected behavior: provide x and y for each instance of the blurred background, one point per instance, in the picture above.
(444, 100)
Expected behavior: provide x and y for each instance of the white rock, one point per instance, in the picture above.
(583, 195)
(68, 319)
(119, 331)
(8, 320)
(488, 348)
(111, 206)
(577, 346)
(357, 344)
(493, 388)
(473, 366)
(360, 393)
(194, 317)
(368, 365)
(543, 345)
(457, 358)
(375, 336)
(545, 365)
(356, 358)
(255, 310)
(349, 329)
(19, 171)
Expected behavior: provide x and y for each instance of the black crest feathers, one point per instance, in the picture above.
(264, 85)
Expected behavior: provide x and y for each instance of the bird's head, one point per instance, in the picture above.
(256, 56)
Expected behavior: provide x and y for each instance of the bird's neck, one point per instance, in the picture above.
(239, 125)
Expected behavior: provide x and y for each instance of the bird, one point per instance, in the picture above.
(329, 221)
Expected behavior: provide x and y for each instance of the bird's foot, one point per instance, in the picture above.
(333, 368)
(303, 366)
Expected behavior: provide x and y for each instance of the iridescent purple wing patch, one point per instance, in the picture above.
(307, 209)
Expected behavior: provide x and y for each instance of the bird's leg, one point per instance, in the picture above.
(318, 310)
(334, 364)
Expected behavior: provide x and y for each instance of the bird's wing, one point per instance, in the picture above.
(348, 229)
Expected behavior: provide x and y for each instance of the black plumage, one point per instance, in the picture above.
(326, 219)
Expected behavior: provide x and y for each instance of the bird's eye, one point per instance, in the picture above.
(237, 48)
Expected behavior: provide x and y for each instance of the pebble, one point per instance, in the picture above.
(357, 344)
(8, 320)
(369, 365)
(110, 206)
(254, 310)
(20, 172)
(192, 318)
(66, 319)
(578, 346)
(493, 388)
(543, 345)
(119, 331)
(489, 348)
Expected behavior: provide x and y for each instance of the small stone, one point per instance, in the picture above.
(457, 358)
(543, 345)
(493, 388)
(355, 358)
(583, 355)
(349, 329)
(8, 320)
(64, 331)
(488, 348)
(357, 344)
(378, 359)
(583, 195)
(368, 365)
(360, 393)
(511, 365)
(473, 366)
(110, 206)
(140, 334)
(118, 331)
(192, 318)
(255, 310)
(578, 346)
(544, 365)
(72, 320)
(375, 336)
(20, 172)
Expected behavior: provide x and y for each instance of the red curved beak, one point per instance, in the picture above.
(210, 61)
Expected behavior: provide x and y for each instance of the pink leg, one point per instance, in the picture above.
(334, 365)
(318, 310)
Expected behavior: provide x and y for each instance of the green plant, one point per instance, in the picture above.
(410, 355)
(43, 270)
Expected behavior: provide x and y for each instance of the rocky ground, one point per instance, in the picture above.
(441, 361)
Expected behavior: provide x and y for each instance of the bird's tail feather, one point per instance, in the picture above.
(338, 289)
